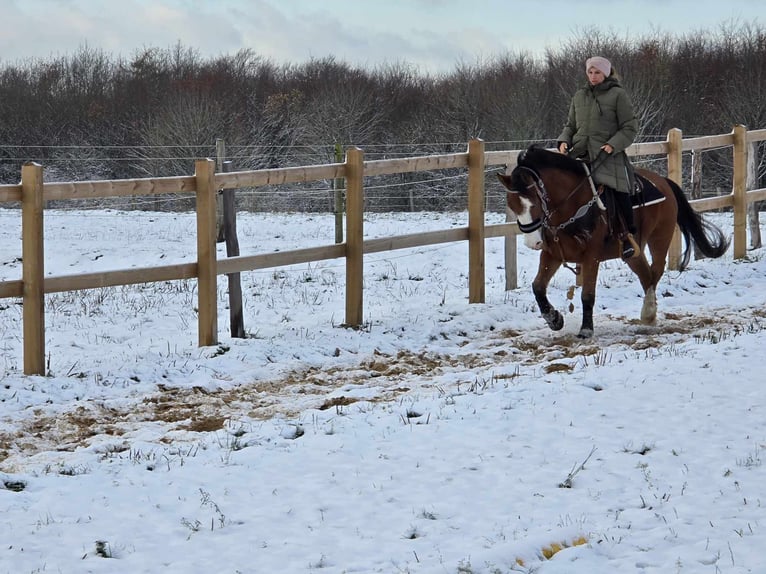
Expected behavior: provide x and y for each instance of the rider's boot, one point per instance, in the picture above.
(627, 236)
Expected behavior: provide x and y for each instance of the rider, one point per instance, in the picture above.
(600, 126)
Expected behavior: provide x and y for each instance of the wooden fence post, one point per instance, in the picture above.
(696, 180)
(354, 236)
(220, 155)
(33, 268)
(338, 185)
(511, 255)
(695, 191)
(476, 221)
(753, 218)
(739, 190)
(207, 287)
(236, 316)
(675, 167)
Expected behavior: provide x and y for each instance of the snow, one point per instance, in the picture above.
(439, 438)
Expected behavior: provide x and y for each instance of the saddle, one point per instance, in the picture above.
(644, 193)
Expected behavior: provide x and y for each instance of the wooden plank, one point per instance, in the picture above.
(705, 142)
(280, 259)
(502, 229)
(13, 288)
(710, 203)
(258, 178)
(119, 187)
(648, 148)
(82, 281)
(476, 281)
(207, 286)
(756, 195)
(415, 164)
(33, 268)
(407, 241)
(354, 236)
(10, 193)
(508, 158)
(756, 136)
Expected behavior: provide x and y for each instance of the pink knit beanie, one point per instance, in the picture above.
(600, 64)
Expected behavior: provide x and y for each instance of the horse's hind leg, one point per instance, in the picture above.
(545, 271)
(649, 276)
(659, 252)
(649, 308)
(640, 266)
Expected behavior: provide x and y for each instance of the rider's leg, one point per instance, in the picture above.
(625, 209)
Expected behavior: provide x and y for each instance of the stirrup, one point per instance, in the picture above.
(630, 248)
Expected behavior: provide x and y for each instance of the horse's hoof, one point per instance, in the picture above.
(555, 320)
(585, 334)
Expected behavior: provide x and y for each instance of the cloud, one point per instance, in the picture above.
(123, 28)
(433, 34)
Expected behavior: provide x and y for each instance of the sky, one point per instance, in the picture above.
(442, 438)
(433, 35)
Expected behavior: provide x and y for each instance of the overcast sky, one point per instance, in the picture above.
(431, 34)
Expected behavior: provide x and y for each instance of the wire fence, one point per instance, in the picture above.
(442, 190)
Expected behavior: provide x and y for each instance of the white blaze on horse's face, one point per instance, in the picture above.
(532, 240)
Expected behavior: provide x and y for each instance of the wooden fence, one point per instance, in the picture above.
(32, 192)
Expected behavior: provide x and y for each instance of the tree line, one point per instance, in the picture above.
(94, 115)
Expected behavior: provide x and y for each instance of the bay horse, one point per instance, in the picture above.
(565, 216)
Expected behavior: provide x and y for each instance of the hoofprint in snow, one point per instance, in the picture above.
(440, 437)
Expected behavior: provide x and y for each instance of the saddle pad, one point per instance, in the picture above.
(646, 194)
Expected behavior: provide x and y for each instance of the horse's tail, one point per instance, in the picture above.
(708, 238)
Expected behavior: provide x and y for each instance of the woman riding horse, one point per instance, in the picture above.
(599, 128)
(555, 202)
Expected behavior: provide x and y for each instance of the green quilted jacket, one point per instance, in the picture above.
(598, 115)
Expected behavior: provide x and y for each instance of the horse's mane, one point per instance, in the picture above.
(537, 158)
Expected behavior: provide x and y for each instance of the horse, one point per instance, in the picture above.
(570, 220)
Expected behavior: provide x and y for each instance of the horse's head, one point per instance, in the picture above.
(525, 202)
(538, 187)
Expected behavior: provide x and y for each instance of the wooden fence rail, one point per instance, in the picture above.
(32, 192)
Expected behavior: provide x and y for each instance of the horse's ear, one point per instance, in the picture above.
(505, 180)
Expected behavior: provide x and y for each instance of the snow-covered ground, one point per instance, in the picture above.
(442, 437)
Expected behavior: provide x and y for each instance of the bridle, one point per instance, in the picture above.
(538, 186)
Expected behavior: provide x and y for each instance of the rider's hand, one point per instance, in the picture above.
(563, 147)
(607, 148)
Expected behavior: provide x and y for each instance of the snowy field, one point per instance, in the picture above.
(442, 437)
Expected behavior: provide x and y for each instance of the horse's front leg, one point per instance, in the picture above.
(545, 271)
(589, 272)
